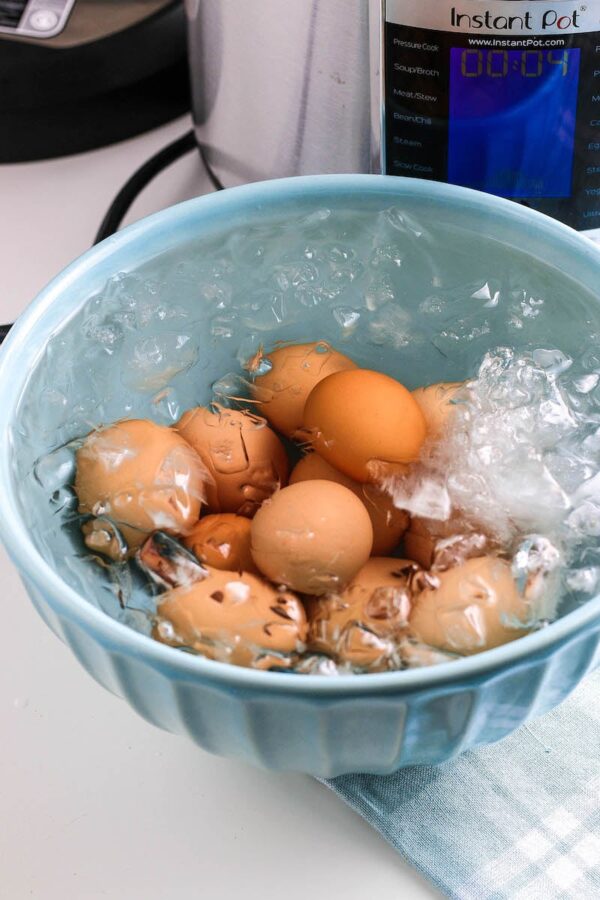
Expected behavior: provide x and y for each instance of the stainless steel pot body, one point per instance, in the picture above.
(286, 87)
(496, 95)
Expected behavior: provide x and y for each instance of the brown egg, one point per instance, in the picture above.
(419, 542)
(223, 542)
(359, 417)
(295, 370)
(362, 624)
(389, 523)
(435, 402)
(312, 536)
(422, 536)
(244, 457)
(235, 618)
(431, 542)
(142, 477)
(476, 606)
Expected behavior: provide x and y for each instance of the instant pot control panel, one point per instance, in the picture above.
(502, 97)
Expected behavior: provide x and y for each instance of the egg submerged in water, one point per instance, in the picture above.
(222, 541)
(235, 618)
(389, 523)
(357, 418)
(438, 404)
(475, 606)
(137, 477)
(294, 371)
(363, 624)
(245, 459)
(312, 536)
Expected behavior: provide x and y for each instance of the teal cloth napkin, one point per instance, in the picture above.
(517, 820)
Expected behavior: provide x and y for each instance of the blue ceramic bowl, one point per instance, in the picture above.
(320, 725)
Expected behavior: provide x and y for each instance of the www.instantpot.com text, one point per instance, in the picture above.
(516, 42)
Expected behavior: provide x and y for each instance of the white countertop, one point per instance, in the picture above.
(94, 802)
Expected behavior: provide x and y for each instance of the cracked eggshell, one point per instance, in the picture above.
(312, 536)
(235, 618)
(222, 541)
(245, 459)
(477, 606)
(359, 418)
(295, 370)
(435, 402)
(389, 523)
(362, 624)
(141, 476)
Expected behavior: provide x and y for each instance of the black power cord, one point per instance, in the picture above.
(144, 175)
(138, 181)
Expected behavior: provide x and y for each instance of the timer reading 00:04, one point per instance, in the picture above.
(496, 62)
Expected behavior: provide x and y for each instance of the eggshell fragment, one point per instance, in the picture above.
(362, 624)
(312, 536)
(246, 460)
(222, 541)
(476, 606)
(435, 402)
(235, 618)
(295, 370)
(356, 418)
(140, 476)
(389, 523)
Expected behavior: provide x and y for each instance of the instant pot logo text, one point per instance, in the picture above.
(548, 19)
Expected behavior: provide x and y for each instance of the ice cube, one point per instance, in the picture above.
(344, 268)
(217, 293)
(314, 218)
(585, 519)
(419, 494)
(489, 296)
(584, 580)
(535, 568)
(386, 255)
(347, 318)
(391, 326)
(433, 306)
(55, 469)
(223, 326)
(155, 361)
(271, 311)
(380, 291)
(586, 383)
(403, 221)
(103, 331)
(554, 362)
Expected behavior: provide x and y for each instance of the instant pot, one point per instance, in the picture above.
(498, 95)
(80, 74)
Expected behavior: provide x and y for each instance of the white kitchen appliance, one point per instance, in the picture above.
(498, 95)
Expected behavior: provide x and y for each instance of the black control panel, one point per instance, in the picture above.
(518, 117)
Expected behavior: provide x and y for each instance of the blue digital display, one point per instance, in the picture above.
(512, 120)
